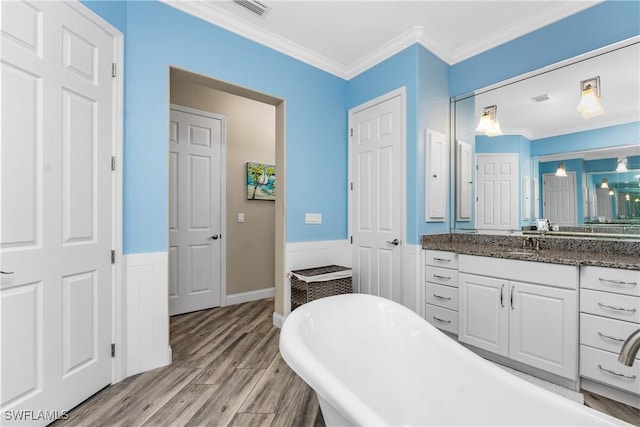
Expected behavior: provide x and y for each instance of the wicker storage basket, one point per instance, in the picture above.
(304, 291)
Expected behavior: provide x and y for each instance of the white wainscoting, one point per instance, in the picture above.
(412, 272)
(147, 311)
(302, 255)
(313, 254)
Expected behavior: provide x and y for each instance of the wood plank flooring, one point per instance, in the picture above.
(227, 371)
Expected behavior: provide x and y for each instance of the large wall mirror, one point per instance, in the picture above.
(549, 160)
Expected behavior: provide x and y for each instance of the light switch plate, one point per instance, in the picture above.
(241, 217)
(313, 218)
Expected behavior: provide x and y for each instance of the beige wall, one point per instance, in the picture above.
(251, 132)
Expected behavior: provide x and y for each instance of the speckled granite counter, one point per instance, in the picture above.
(602, 253)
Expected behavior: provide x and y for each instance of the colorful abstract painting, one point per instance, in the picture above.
(261, 181)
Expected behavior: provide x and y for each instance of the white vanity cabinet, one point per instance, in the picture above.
(533, 322)
(441, 290)
(609, 313)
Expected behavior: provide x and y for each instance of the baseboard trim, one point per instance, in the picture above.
(241, 297)
(278, 320)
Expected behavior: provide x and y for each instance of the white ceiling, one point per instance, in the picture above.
(619, 72)
(348, 37)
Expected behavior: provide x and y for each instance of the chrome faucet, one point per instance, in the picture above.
(630, 349)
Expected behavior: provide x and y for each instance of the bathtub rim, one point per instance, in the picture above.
(327, 385)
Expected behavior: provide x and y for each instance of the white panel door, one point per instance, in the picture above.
(543, 328)
(497, 192)
(483, 316)
(559, 198)
(195, 188)
(377, 198)
(56, 212)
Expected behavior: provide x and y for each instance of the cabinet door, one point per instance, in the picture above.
(436, 180)
(484, 313)
(543, 328)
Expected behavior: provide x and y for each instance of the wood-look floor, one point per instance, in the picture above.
(227, 371)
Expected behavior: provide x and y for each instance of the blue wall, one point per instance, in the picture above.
(158, 37)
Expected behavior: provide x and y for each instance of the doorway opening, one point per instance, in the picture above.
(251, 233)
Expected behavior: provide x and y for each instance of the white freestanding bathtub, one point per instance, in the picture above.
(374, 362)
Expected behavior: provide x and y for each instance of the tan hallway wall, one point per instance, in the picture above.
(250, 138)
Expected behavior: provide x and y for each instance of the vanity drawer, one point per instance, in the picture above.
(603, 366)
(444, 276)
(442, 259)
(444, 319)
(604, 333)
(606, 304)
(615, 280)
(442, 296)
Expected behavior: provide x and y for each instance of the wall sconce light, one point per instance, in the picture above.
(589, 105)
(561, 171)
(622, 165)
(488, 122)
(627, 197)
(605, 183)
(611, 192)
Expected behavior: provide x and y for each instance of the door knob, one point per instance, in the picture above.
(6, 272)
(214, 237)
(394, 242)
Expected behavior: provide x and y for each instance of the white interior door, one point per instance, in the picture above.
(196, 141)
(559, 198)
(56, 210)
(377, 198)
(497, 192)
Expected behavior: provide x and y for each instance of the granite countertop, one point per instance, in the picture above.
(568, 252)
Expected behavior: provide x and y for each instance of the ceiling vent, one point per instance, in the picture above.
(541, 98)
(254, 6)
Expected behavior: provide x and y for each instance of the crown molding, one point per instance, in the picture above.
(221, 18)
(404, 40)
(208, 12)
(552, 13)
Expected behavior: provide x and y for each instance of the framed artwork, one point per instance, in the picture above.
(261, 181)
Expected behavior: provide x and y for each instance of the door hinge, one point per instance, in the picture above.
(113, 256)
(351, 239)
(351, 131)
(113, 69)
(113, 163)
(352, 186)
(113, 349)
